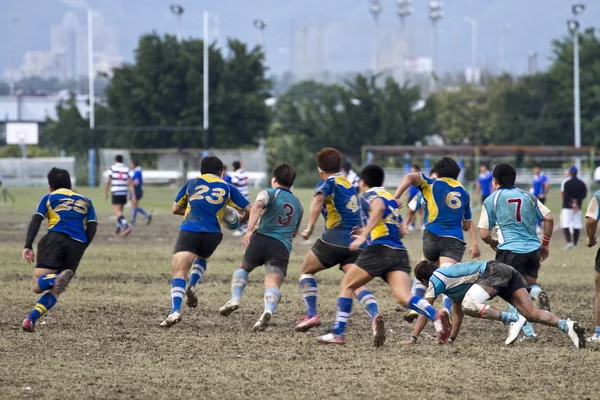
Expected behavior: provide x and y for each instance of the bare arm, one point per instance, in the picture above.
(474, 250)
(375, 217)
(457, 318)
(548, 228)
(255, 213)
(413, 179)
(131, 188)
(410, 215)
(546, 188)
(316, 205)
(245, 215)
(466, 225)
(176, 209)
(591, 225)
(486, 236)
(106, 187)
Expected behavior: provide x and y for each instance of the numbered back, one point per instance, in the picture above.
(387, 231)
(67, 212)
(341, 208)
(282, 215)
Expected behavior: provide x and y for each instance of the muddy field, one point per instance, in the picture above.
(102, 340)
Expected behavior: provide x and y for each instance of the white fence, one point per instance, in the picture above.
(32, 172)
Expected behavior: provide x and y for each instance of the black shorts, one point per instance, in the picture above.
(330, 255)
(202, 244)
(435, 246)
(267, 251)
(379, 260)
(139, 193)
(59, 252)
(503, 278)
(119, 199)
(542, 200)
(597, 267)
(525, 264)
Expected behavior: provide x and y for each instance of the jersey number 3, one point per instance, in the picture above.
(518, 202)
(286, 219)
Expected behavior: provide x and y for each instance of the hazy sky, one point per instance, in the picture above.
(534, 23)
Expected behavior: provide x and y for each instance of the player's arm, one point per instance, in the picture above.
(412, 179)
(32, 231)
(181, 201)
(316, 205)
(301, 215)
(486, 222)
(375, 216)
(255, 212)
(591, 221)
(457, 319)
(546, 187)
(131, 187)
(474, 250)
(419, 325)
(107, 187)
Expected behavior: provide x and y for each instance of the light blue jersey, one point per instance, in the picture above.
(455, 280)
(593, 210)
(282, 215)
(514, 213)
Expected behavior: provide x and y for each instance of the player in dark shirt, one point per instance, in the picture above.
(574, 191)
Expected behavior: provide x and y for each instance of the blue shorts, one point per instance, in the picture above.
(139, 193)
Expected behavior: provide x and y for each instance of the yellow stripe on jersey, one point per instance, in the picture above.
(221, 213)
(183, 201)
(432, 207)
(380, 230)
(210, 178)
(451, 182)
(343, 181)
(66, 192)
(53, 217)
(333, 216)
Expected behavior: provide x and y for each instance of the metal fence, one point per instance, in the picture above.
(32, 172)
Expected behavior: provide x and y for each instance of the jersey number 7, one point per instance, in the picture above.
(518, 202)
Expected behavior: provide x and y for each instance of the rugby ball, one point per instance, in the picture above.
(231, 218)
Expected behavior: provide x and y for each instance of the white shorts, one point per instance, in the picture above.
(570, 219)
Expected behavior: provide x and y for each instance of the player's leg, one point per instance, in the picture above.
(118, 208)
(43, 281)
(181, 262)
(365, 297)
(139, 193)
(354, 278)
(451, 252)
(198, 269)
(313, 263)
(565, 223)
(520, 299)
(596, 337)
(274, 276)
(577, 225)
(134, 210)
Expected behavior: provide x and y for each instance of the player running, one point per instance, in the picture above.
(515, 213)
(71, 228)
(268, 242)
(337, 200)
(385, 257)
(118, 181)
(592, 216)
(137, 182)
(471, 284)
(483, 185)
(203, 202)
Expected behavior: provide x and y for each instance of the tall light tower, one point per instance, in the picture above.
(11, 49)
(404, 10)
(435, 14)
(505, 30)
(375, 10)
(178, 11)
(573, 25)
(260, 24)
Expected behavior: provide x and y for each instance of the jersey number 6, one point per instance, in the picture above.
(453, 200)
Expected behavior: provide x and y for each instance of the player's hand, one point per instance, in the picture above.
(475, 251)
(544, 252)
(399, 203)
(246, 239)
(306, 232)
(591, 242)
(357, 242)
(356, 231)
(28, 255)
(404, 229)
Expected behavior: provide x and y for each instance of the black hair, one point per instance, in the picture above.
(537, 165)
(433, 171)
(119, 158)
(372, 175)
(211, 165)
(236, 165)
(417, 167)
(346, 166)
(484, 164)
(284, 174)
(59, 179)
(136, 163)
(505, 175)
(424, 270)
(447, 168)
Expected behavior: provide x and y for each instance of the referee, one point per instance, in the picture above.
(573, 192)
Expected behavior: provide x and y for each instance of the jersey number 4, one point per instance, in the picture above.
(286, 219)
(353, 204)
(518, 202)
(215, 197)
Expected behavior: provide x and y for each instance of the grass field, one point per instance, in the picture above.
(102, 340)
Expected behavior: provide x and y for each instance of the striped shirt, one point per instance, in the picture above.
(119, 174)
(239, 180)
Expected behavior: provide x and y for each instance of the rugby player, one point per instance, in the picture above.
(385, 257)
(118, 181)
(337, 200)
(514, 214)
(471, 284)
(202, 201)
(71, 228)
(483, 185)
(137, 181)
(592, 216)
(268, 242)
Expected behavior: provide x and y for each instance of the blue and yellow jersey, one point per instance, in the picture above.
(455, 280)
(514, 213)
(387, 231)
(282, 215)
(67, 212)
(341, 209)
(447, 204)
(205, 199)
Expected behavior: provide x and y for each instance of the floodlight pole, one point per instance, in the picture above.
(91, 97)
(375, 10)
(177, 10)
(205, 132)
(574, 28)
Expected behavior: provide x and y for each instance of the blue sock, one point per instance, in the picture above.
(527, 328)
(142, 211)
(44, 304)
(344, 308)
(198, 269)
(421, 306)
(272, 296)
(238, 283)
(508, 317)
(418, 289)
(367, 299)
(177, 293)
(46, 282)
(597, 330)
(123, 222)
(133, 215)
(534, 291)
(308, 287)
(448, 303)
(562, 325)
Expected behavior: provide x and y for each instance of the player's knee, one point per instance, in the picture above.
(470, 307)
(35, 288)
